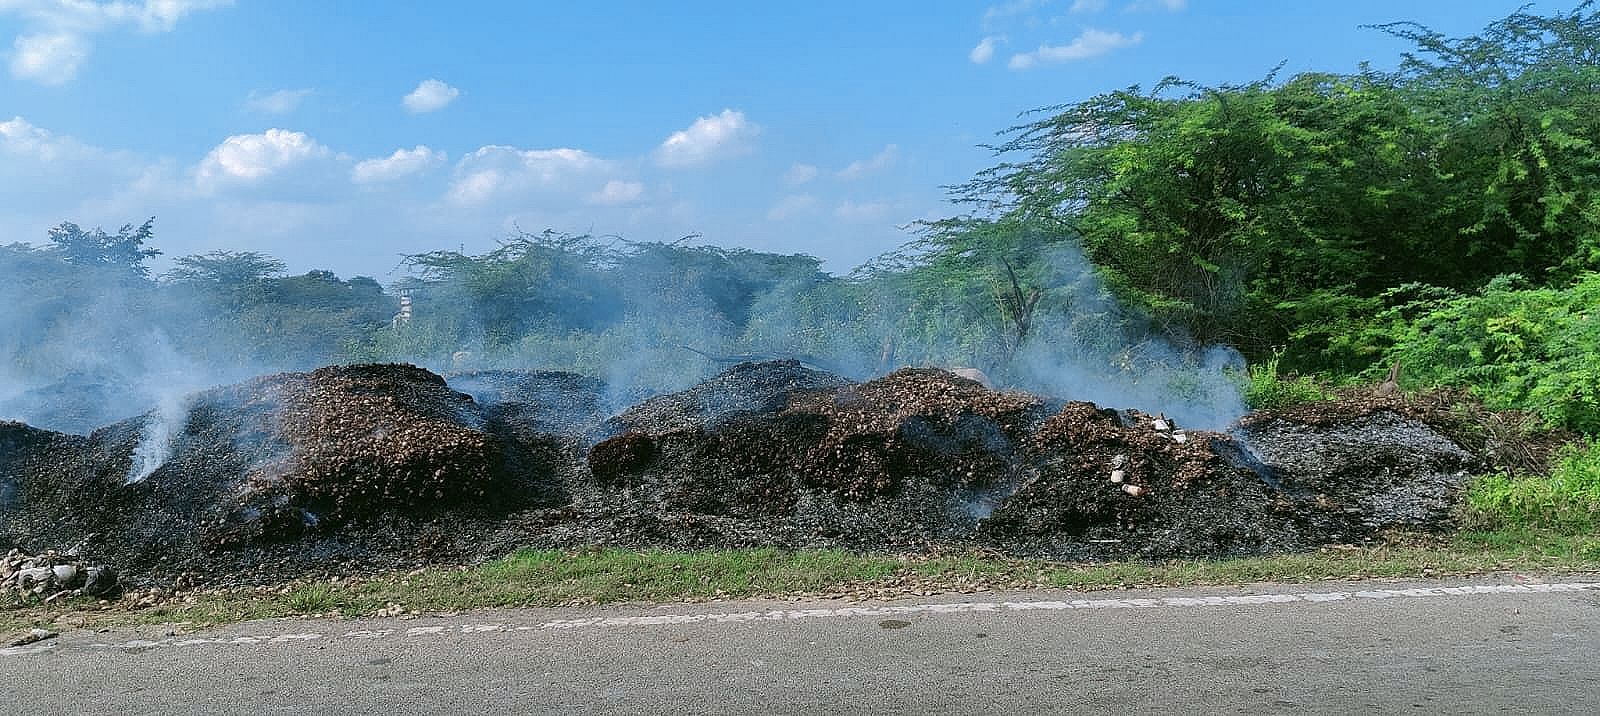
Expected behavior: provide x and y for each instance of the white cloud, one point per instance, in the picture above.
(430, 96)
(1087, 6)
(791, 206)
(877, 162)
(85, 16)
(19, 138)
(984, 51)
(800, 174)
(1169, 5)
(55, 45)
(247, 158)
(46, 177)
(710, 138)
(1010, 9)
(494, 172)
(617, 192)
(49, 59)
(282, 101)
(863, 211)
(303, 207)
(1092, 43)
(401, 164)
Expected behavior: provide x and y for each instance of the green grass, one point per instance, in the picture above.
(543, 578)
(1568, 499)
(1266, 389)
(310, 598)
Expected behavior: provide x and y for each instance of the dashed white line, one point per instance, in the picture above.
(773, 615)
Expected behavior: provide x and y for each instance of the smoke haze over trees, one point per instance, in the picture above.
(1320, 219)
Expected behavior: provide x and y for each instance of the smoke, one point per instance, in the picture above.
(169, 387)
(88, 338)
(634, 316)
(10, 387)
(1091, 349)
(156, 438)
(84, 347)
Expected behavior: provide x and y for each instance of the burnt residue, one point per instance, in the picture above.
(388, 466)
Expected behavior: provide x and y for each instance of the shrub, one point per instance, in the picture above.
(1569, 498)
(1533, 349)
(1266, 389)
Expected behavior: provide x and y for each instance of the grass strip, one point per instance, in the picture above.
(545, 578)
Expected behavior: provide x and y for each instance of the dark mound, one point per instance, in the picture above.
(362, 462)
(551, 402)
(1503, 440)
(1345, 472)
(745, 388)
(546, 419)
(891, 463)
(386, 466)
(1107, 484)
(1368, 469)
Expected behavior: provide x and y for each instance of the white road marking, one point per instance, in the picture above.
(1136, 603)
(30, 649)
(1201, 602)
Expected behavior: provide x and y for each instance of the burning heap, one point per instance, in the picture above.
(1108, 483)
(537, 402)
(384, 466)
(366, 435)
(372, 463)
(802, 457)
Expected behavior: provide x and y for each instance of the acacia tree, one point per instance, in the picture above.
(236, 278)
(1278, 212)
(1520, 104)
(531, 281)
(123, 252)
(225, 268)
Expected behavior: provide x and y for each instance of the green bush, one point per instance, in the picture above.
(1568, 499)
(1265, 389)
(1533, 349)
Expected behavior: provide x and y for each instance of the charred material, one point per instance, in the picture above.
(386, 466)
(368, 463)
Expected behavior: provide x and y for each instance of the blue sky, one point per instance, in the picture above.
(342, 135)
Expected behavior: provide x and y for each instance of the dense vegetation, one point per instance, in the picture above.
(1284, 214)
(1443, 214)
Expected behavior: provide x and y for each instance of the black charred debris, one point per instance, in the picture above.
(372, 467)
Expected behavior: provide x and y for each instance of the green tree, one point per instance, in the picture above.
(1520, 107)
(234, 278)
(1277, 213)
(546, 281)
(124, 252)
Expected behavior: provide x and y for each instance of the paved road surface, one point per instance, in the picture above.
(1481, 646)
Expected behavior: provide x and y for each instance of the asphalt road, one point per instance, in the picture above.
(1481, 646)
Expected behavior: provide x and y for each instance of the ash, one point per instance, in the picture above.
(375, 467)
